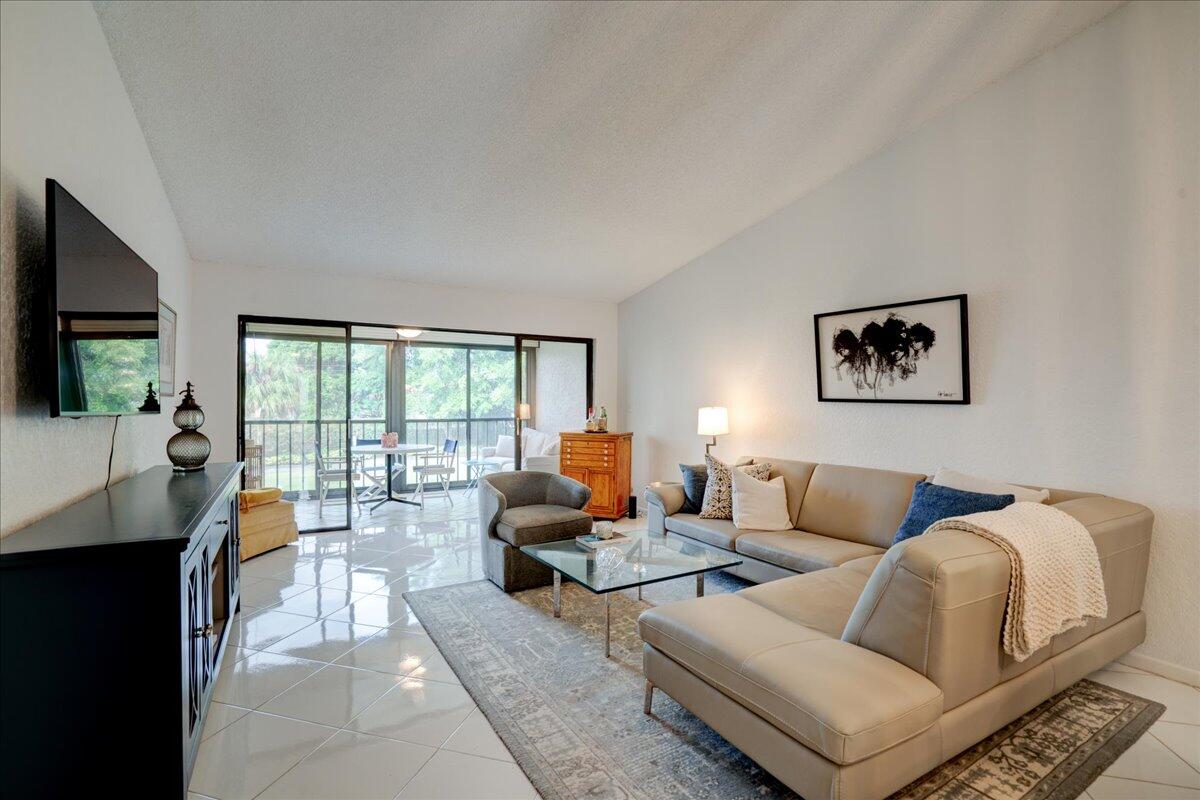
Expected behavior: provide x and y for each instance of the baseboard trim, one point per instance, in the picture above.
(1166, 669)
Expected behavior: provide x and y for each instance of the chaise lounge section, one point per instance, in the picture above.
(848, 675)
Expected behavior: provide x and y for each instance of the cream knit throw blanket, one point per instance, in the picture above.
(1056, 582)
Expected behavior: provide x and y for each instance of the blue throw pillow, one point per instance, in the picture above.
(695, 478)
(931, 503)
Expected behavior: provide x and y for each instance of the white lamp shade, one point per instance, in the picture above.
(524, 411)
(712, 421)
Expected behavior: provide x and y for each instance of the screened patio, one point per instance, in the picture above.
(299, 398)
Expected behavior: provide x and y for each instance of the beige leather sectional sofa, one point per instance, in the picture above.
(877, 663)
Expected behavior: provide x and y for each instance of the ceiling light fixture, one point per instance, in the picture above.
(408, 333)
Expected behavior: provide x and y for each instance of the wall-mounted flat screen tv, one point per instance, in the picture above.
(104, 308)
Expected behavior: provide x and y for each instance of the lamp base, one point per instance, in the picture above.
(710, 445)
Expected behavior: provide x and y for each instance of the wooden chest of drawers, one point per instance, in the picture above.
(601, 461)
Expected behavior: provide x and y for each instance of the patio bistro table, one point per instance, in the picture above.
(391, 453)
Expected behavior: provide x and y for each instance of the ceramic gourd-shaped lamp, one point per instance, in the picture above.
(188, 449)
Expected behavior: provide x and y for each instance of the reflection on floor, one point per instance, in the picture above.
(331, 689)
(311, 514)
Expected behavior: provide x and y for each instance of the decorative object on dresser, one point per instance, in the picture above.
(115, 614)
(712, 421)
(188, 449)
(913, 352)
(600, 461)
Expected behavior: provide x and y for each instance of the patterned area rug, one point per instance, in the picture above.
(573, 720)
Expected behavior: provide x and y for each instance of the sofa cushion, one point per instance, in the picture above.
(718, 490)
(856, 504)
(536, 524)
(842, 701)
(717, 532)
(801, 551)
(931, 503)
(820, 600)
(760, 505)
(695, 478)
(795, 474)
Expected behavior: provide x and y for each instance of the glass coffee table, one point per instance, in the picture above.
(646, 558)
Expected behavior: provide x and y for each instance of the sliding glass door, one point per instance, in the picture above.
(457, 387)
(315, 399)
(294, 431)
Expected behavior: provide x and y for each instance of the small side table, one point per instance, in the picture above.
(476, 469)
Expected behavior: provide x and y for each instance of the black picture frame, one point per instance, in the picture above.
(964, 392)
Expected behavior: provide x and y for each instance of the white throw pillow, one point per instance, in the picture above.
(759, 505)
(534, 442)
(506, 446)
(970, 483)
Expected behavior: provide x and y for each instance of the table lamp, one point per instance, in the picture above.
(712, 421)
(524, 412)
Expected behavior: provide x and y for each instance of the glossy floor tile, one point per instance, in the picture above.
(1183, 740)
(456, 776)
(252, 753)
(256, 630)
(259, 677)
(324, 640)
(332, 696)
(390, 650)
(351, 765)
(417, 711)
(475, 737)
(1182, 701)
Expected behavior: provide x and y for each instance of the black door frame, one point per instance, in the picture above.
(243, 321)
(518, 338)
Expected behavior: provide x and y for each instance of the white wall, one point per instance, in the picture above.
(560, 388)
(64, 114)
(221, 292)
(1063, 199)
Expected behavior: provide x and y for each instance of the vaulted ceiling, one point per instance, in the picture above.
(563, 148)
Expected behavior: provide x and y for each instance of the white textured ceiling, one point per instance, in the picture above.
(570, 149)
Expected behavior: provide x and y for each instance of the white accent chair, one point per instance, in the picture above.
(539, 452)
(334, 472)
(439, 466)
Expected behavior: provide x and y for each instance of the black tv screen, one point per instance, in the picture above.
(104, 303)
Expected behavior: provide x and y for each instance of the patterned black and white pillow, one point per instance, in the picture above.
(718, 492)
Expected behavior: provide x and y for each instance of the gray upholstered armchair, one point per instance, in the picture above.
(520, 508)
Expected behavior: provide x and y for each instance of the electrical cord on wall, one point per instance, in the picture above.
(111, 447)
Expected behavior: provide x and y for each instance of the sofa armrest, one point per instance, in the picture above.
(564, 491)
(492, 505)
(487, 452)
(667, 496)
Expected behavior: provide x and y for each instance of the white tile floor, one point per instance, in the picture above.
(332, 689)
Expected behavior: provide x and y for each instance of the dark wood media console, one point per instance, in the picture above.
(114, 616)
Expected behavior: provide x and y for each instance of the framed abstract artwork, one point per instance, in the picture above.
(914, 352)
(168, 321)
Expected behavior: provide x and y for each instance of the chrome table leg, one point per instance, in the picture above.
(607, 622)
(557, 594)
